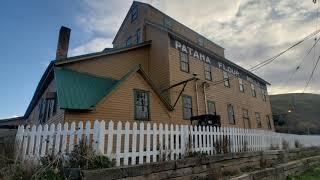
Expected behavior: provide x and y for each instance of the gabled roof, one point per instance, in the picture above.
(80, 91)
(105, 52)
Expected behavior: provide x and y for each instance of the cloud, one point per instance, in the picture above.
(97, 44)
(249, 30)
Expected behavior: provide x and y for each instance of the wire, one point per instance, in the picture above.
(311, 75)
(298, 67)
(268, 61)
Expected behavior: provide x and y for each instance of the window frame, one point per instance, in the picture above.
(241, 85)
(207, 69)
(134, 13)
(246, 118)
(258, 120)
(129, 41)
(183, 107)
(184, 62)
(226, 79)
(253, 90)
(211, 102)
(264, 96)
(135, 92)
(138, 35)
(233, 114)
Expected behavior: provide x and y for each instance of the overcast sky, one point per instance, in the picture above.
(249, 30)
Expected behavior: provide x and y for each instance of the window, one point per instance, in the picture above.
(253, 90)
(231, 115)
(201, 41)
(187, 106)
(258, 119)
(246, 119)
(42, 113)
(207, 71)
(134, 13)
(211, 107)
(268, 121)
(184, 62)
(141, 105)
(241, 85)
(226, 79)
(167, 22)
(47, 107)
(264, 96)
(138, 35)
(129, 41)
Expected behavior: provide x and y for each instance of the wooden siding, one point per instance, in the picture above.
(113, 66)
(34, 115)
(159, 54)
(221, 95)
(119, 106)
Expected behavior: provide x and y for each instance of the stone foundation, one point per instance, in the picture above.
(273, 164)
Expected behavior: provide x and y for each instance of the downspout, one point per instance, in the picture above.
(205, 97)
(197, 96)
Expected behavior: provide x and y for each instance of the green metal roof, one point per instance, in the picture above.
(80, 91)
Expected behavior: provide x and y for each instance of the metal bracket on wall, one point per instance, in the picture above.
(185, 82)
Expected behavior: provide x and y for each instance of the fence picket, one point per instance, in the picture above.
(38, 140)
(64, 137)
(57, 139)
(44, 140)
(126, 143)
(154, 142)
(141, 142)
(110, 139)
(134, 144)
(118, 146)
(71, 140)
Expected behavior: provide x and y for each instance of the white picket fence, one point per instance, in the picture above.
(141, 143)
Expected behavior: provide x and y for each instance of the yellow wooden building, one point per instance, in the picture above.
(158, 70)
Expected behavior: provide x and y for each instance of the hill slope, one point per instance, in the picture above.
(304, 115)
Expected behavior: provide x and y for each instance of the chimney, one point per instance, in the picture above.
(63, 43)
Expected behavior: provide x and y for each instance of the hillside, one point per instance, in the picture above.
(304, 115)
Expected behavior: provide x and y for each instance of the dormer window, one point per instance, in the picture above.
(134, 13)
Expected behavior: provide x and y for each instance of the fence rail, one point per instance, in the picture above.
(133, 143)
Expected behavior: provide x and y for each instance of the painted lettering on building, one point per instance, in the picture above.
(201, 55)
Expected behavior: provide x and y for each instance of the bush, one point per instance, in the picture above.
(84, 157)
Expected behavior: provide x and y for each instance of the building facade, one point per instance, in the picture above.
(158, 70)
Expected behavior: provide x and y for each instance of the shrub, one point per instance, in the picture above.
(297, 144)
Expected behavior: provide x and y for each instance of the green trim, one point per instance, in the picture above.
(135, 91)
(186, 96)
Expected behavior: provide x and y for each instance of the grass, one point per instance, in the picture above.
(312, 174)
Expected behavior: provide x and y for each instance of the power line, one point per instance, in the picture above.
(298, 67)
(268, 61)
(311, 75)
